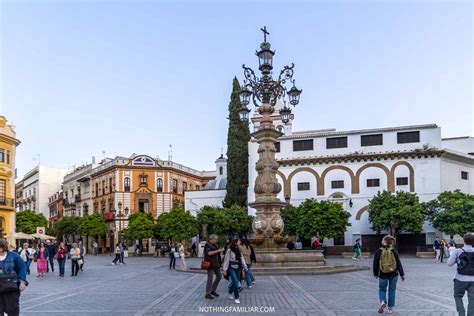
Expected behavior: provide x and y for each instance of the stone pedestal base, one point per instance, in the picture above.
(287, 259)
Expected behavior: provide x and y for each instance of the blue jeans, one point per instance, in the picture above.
(61, 263)
(27, 264)
(234, 276)
(392, 287)
(248, 275)
(51, 263)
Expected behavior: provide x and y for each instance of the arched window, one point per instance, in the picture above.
(221, 170)
(126, 184)
(159, 185)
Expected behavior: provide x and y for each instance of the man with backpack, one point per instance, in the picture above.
(464, 278)
(387, 267)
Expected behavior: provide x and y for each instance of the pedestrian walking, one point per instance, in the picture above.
(386, 267)
(234, 262)
(464, 277)
(182, 255)
(12, 280)
(212, 254)
(122, 252)
(61, 255)
(193, 250)
(75, 259)
(95, 247)
(357, 253)
(117, 254)
(442, 250)
(82, 250)
(26, 256)
(173, 257)
(246, 250)
(437, 249)
(52, 248)
(42, 258)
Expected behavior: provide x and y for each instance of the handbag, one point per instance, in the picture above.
(8, 282)
(205, 265)
(80, 261)
(176, 255)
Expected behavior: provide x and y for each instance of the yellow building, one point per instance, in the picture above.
(8, 143)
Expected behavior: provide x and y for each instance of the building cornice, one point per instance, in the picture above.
(9, 140)
(458, 157)
(358, 157)
(323, 133)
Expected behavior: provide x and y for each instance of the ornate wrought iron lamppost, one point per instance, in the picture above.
(264, 92)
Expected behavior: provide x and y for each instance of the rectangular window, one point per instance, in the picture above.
(2, 155)
(143, 179)
(408, 137)
(402, 181)
(277, 147)
(371, 140)
(175, 186)
(3, 190)
(198, 188)
(339, 184)
(8, 157)
(110, 185)
(185, 187)
(301, 145)
(373, 183)
(103, 187)
(336, 142)
(96, 189)
(303, 186)
(464, 175)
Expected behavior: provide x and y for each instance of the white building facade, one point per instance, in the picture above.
(76, 188)
(350, 167)
(38, 185)
(213, 193)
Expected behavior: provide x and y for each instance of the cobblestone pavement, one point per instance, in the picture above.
(145, 286)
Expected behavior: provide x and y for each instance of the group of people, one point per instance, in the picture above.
(442, 249)
(238, 256)
(387, 268)
(45, 253)
(177, 251)
(119, 252)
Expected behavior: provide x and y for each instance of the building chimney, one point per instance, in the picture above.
(93, 160)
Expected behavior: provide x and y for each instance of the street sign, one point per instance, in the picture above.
(41, 230)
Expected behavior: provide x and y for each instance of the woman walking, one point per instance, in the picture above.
(118, 254)
(234, 262)
(26, 256)
(246, 251)
(172, 257)
(75, 257)
(182, 255)
(42, 256)
(61, 256)
(387, 267)
(357, 253)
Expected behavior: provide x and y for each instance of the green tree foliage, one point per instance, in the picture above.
(213, 218)
(68, 226)
(238, 136)
(227, 222)
(93, 225)
(451, 212)
(27, 221)
(399, 212)
(324, 218)
(177, 225)
(291, 218)
(141, 226)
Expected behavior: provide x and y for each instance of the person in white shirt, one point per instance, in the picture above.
(234, 262)
(464, 278)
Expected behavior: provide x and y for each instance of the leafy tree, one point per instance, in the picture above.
(236, 221)
(68, 226)
(93, 225)
(324, 218)
(177, 225)
(213, 218)
(141, 226)
(399, 212)
(238, 136)
(291, 217)
(451, 212)
(27, 221)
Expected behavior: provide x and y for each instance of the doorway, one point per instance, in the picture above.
(143, 205)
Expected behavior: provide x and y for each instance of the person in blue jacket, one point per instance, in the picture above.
(11, 263)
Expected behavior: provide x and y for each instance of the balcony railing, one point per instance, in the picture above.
(108, 216)
(77, 198)
(7, 202)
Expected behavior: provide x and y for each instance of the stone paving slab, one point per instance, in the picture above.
(145, 286)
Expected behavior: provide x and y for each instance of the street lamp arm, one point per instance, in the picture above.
(286, 74)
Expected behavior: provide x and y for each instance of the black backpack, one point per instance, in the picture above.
(466, 263)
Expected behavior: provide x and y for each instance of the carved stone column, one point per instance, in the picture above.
(268, 223)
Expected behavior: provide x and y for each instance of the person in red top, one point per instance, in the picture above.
(316, 243)
(61, 256)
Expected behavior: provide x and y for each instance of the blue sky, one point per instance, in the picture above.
(82, 77)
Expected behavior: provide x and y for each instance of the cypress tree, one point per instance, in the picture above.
(238, 136)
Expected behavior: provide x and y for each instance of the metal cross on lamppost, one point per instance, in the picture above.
(265, 92)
